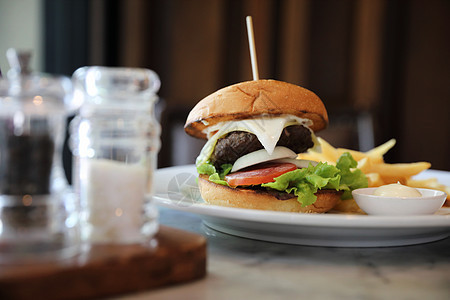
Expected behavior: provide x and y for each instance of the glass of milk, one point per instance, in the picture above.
(115, 141)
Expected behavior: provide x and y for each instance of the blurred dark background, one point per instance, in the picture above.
(381, 67)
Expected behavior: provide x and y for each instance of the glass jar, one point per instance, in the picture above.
(38, 211)
(115, 141)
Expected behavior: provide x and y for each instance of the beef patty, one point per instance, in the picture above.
(238, 143)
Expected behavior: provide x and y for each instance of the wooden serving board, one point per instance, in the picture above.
(107, 270)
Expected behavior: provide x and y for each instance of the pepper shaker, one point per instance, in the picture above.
(38, 213)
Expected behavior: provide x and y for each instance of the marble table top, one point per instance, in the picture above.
(240, 268)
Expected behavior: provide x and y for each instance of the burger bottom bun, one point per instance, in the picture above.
(348, 206)
(217, 194)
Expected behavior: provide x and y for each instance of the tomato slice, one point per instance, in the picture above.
(259, 174)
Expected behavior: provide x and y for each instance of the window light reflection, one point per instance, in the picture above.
(27, 200)
(119, 212)
(37, 100)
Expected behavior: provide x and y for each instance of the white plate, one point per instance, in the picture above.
(176, 188)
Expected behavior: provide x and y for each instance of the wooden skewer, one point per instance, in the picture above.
(251, 42)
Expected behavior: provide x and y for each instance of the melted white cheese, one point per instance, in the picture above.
(267, 129)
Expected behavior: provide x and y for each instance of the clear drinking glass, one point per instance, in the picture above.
(38, 211)
(115, 140)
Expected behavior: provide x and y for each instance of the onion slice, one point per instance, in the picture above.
(260, 156)
(300, 163)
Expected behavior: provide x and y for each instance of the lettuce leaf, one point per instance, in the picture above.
(214, 176)
(206, 168)
(304, 183)
(351, 177)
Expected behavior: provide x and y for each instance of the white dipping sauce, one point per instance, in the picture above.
(397, 190)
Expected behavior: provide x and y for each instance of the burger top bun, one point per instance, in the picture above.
(254, 98)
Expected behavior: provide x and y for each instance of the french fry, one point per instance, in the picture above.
(329, 152)
(400, 170)
(357, 155)
(381, 150)
(393, 179)
(315, 156)
(429, 183)
(364, 165)
(374, 179)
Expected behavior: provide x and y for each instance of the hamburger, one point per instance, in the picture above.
(254, 132)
